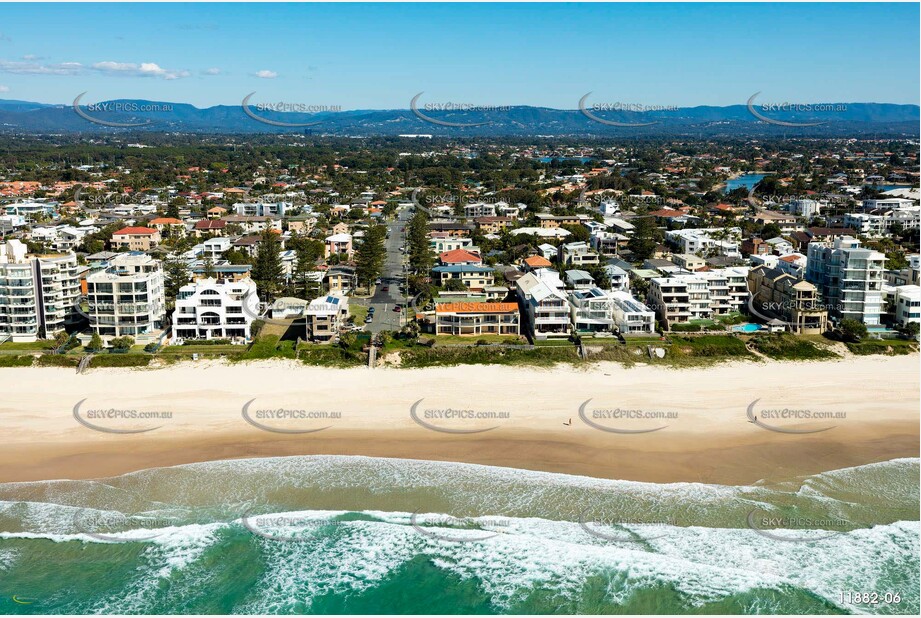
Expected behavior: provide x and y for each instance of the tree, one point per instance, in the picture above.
(369, 259)
(176, 275)
(209, 271)
(911, 330)
(267, 271)
(455, 285)
(771, 230)
(122, 343)
(645, 238)
(420, 253)
(853, 330)
(95, 343)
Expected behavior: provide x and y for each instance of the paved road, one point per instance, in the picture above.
(385, 318)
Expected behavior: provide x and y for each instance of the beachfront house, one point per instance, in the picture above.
(544, 307)
(325, 316)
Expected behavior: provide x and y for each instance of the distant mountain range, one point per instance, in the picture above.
(853, 120)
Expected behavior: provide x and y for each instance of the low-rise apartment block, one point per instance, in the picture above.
(471, 319)
(216, 309)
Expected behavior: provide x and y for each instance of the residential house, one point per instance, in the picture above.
(631, 317)
(577, 254)
(474, 277)
(459, 256)
(214, 227)
(545, 308)
(338, 244)
(579, 280)
(325, 316)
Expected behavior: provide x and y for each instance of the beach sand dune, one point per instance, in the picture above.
(730, 424)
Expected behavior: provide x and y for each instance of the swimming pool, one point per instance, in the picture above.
(746, 328)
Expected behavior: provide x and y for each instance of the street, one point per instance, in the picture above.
(385, 318)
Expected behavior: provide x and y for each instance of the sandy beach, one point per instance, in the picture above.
(703, 429)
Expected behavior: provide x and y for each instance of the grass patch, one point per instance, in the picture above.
(782, 346)
(457, 339)
(9, 360)
(266, 347)
(447, 356)
(42, 344)
(886, 347)
(57, 360)
(703, 350)
(120, 360)
(358, 313)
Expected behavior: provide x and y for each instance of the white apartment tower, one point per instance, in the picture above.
(849, 277)
(127, 298)
(37, 292)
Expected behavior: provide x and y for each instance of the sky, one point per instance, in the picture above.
(379, 56)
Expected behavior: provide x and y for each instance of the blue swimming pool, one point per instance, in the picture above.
(746, 328)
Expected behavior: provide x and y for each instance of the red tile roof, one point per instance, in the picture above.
(456, 256)
(135, 231)
(211, 224)
(537, 261)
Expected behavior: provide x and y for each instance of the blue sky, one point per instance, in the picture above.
(378, 56)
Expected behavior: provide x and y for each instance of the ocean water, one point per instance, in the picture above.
(330, 535)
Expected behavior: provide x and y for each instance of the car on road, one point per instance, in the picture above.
(398, 308)
(386, 288)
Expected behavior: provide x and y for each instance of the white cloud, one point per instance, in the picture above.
(212, 71)
(34, 68)
(265, 74)
(145, 69)
(28, 66)
(4, 88)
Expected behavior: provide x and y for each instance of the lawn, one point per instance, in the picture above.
(45, 344)
(358, 313)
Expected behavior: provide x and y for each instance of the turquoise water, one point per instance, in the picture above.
(581, 160)
(746, 328)
(746, 181)
(890, 187)
(314, 535)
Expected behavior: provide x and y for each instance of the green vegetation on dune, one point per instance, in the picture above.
(782, 346)
(887, 347)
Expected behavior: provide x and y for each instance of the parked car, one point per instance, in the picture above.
(397, 308)
(368, 318)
